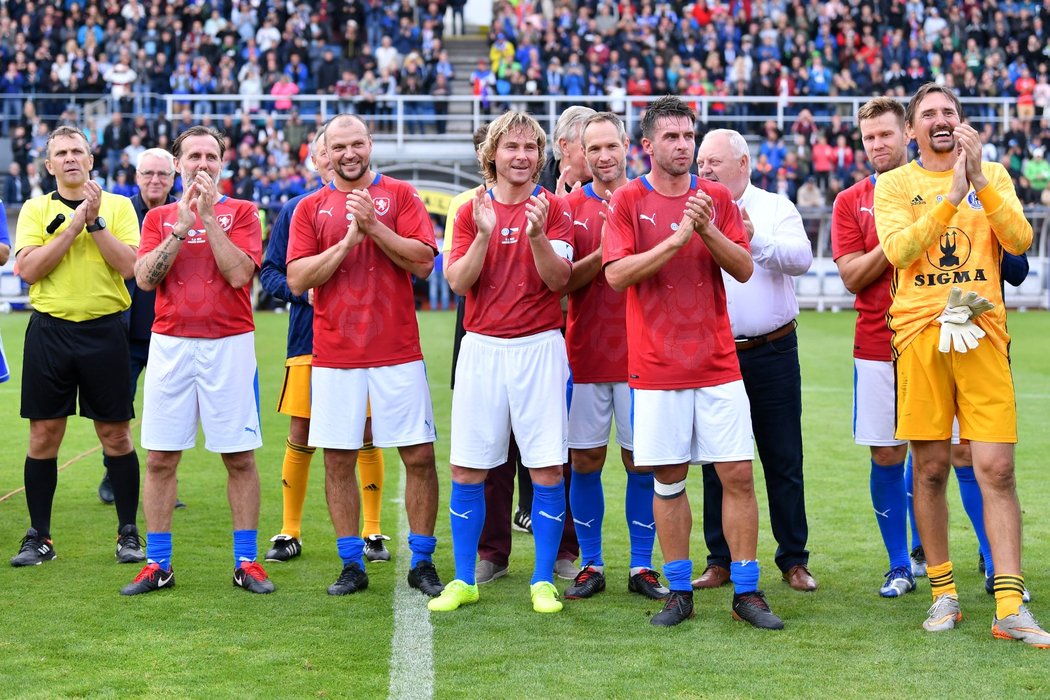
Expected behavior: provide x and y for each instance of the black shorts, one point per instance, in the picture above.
(64, 358)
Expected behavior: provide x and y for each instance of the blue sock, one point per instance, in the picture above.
(679, 575)
(466, 507)
(973, 504)
(548, 522)
(890, 500)
(744, 575)
(916, 541)
(641, 525)
(351, 550)
(421, 546)
(158, 546)
(245, 546)
(588, 511)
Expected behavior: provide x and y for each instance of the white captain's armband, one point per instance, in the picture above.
(562, 250)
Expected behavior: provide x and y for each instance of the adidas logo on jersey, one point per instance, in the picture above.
(917, 200)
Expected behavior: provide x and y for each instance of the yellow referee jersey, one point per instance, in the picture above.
(934, 245)
(83, 285)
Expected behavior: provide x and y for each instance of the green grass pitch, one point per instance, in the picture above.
(67, 632)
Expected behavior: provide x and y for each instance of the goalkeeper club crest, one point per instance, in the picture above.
(225, 221)
(954, 249)
(382, 205)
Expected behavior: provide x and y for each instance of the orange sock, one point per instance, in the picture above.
(1009, 589)
(295, 474)
(370, 468)
(942, 580)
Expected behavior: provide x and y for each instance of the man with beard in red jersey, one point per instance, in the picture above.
(669, 235)
(200, 254)
(356, 243)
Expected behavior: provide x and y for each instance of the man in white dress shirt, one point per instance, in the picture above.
(762, 312)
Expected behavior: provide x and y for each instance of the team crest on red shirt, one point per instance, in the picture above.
(382, 205)
(225, 221)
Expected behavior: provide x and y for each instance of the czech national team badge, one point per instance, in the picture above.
(225, 221)
(382, 205)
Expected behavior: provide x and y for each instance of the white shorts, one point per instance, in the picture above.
(505, 384)
(402, 413)
(592, 408)
(699, 426)
(874, 404)
(210, 381)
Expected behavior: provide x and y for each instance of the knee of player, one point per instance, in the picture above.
(162, 463)
(239, 462)
(736, 477)
(889, 456)
(588, 461)
(998, 475)
(419, 457)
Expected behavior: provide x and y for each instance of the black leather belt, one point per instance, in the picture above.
(748, 343)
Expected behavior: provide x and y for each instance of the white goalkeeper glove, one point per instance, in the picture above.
(957, 329)
(978, 304)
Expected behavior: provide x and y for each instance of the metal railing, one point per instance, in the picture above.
(413, 118)
(821, 287)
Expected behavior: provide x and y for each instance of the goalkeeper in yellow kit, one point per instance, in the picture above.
(944, 221)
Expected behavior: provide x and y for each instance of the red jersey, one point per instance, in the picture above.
(677, 322)
(853, 231)
(365, 314)
(194, 300)
(509, 298)
(596, 328)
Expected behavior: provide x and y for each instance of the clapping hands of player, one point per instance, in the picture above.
(186, 208)
(359, 203)
(207, 195)
(697, 216)
(354, 233)
(484, 213)
(967, 171)
(969, 142)
(536, 213)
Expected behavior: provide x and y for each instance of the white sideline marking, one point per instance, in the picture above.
(411, 648)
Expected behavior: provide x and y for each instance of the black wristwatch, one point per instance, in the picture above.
(97, 225)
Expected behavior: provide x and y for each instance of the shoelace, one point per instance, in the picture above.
(755, 599)
(899, 572)
(586, 573)
(147, 572)
(130, 540)
(650, 577)
(255, 570)
(348, 574)
(428, 573)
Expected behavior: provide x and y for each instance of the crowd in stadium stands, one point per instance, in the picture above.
(596, 52)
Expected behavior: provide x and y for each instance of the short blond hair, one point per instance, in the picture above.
(873, 109)
(511, 121)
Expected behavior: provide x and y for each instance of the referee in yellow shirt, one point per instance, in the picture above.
(75, 247)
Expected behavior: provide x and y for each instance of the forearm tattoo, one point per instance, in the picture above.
(163, 259)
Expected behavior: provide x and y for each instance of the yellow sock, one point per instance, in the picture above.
(295, 474)
(1008, 591)
(941, 580)
(370, 470)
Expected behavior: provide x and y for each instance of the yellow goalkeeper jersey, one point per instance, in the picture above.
(934, 245)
